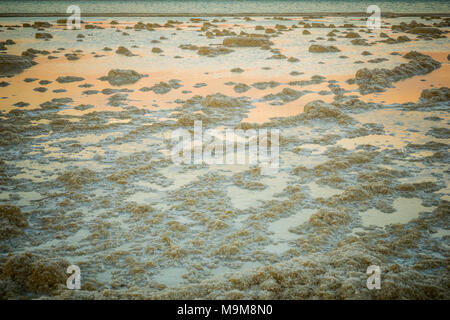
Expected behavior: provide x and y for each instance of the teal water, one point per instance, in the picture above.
(222, 7)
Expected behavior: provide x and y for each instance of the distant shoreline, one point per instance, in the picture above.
(299, 14)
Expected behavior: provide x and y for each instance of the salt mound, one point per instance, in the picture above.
(212, 52)
(265, 85)
(352, 35)
(11, 64)
(161, 88)
(43, 35)
(68, 79)
(10, 135)
(124, 51)
(76, 179)
(34, 273)
(241, 87)
(441, 94)
(118, 77)
(12, 221)
(42, 24)
(286, 95)
(426, 31)
(246, 41)
(317, 48)
(320, 110)
(206, 51)
(325, 218)
(219, 100)
(377, 80)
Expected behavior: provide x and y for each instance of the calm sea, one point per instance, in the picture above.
(223, 6)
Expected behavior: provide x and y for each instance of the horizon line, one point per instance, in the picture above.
(237, 14)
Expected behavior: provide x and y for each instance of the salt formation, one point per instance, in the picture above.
(247, 41)
(377, 80)
(11, 64)
(320, 49)
(118, 77)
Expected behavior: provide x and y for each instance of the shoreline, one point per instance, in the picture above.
(291, 14)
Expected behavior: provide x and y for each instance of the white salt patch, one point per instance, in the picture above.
(104, 277)
(180, 176)
(183, 220)
(440, 233)
(93, 138)
(38, 171)
(355, 231)
(77, 237)
(239, 221)
(319, 191)
(291, 159)
(280, 228)
(406, 210)
(170, 276)
(421, 177)
(381, 141)
(313, 148)
(130, 147)
(27, 197)
(244, 199)
(89, 153)
(112, 121)
(278, 248)
(144, 197)
(246, 266)
(422, 154)
(4, 196)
